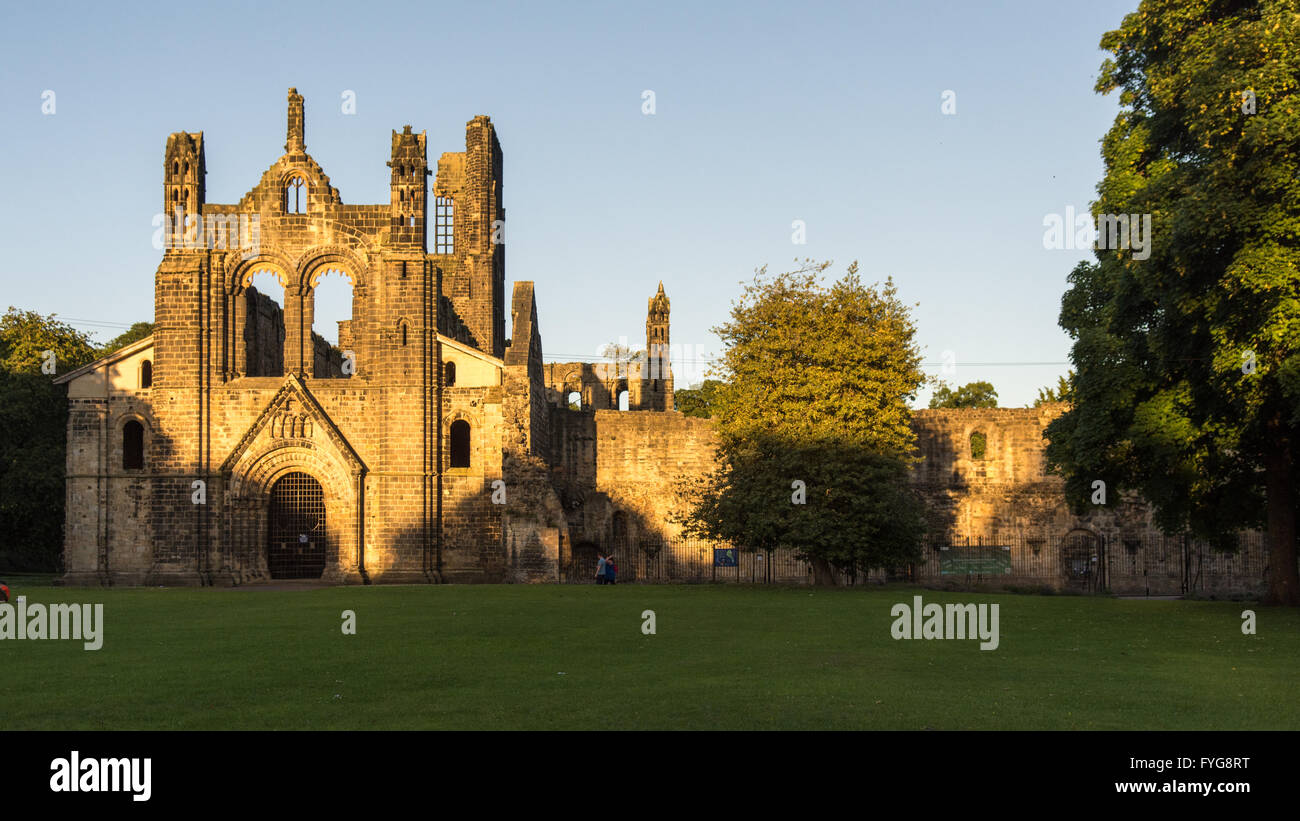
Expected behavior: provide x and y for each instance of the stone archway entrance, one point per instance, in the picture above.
(296, 543)
(1083, 560)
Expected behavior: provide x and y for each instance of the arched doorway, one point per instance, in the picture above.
(582, 564)
(1082, 560)
(296, 528)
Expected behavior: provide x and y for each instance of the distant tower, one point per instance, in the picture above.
(410, 164)
(658, 390)
(183, 190)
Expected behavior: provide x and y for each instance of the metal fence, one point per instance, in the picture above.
(1079, 561)
(678, 561)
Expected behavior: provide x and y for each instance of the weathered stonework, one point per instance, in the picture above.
(432, 448)
(244, 393)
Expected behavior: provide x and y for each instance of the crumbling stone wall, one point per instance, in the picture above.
(630, 462)
(1005, 492)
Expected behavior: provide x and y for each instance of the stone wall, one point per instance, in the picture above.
(1006, 492)
(609, 462)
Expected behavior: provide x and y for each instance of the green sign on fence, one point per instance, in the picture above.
(974, 561)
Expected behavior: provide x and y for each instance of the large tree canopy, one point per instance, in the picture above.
(1187, 385)
(814, 418)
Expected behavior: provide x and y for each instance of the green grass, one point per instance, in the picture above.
(732, 657)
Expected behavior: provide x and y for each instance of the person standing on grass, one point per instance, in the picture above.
(611, 570)
(601, 566)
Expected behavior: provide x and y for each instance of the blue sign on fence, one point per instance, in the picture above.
(725, 557)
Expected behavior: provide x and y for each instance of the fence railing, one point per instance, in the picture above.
(1150, 564)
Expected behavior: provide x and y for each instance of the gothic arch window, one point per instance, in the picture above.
(574, 400)
(176, 169)
(295, 195)
(449, 375)
(146, 374)
(623, 399)
(460, 444)
(133, 446)
(978, 445)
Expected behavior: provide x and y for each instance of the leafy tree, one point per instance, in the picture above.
(815, 388)
(25, 336)
(697, 401)
(137, 331)
(971, 395)
(34, 419)
(1060, 393)
(1187, 362)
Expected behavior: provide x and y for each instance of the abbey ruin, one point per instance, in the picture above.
(236, 445)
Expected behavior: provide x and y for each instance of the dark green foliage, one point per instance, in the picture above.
(138, 331)
(33, 436)
(1187, 385)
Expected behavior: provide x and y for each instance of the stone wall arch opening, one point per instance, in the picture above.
(1081, 558)
(332, 303)
(297, 542)
(460, 444)
(133, 445)
(262, 312)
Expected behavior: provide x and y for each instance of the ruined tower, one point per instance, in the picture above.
(410, 166)
(183, 189)
(657, 389)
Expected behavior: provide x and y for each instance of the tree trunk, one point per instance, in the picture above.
(1283, 576)
(823, 575)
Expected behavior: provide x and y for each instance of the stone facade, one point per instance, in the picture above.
(244, 393)
(424, 447)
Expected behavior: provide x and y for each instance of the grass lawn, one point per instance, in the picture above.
(565, 657)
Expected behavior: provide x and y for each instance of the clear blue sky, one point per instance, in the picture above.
(766, 113)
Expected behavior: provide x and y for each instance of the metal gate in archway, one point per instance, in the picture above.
(296, 528)
(1083, 560)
